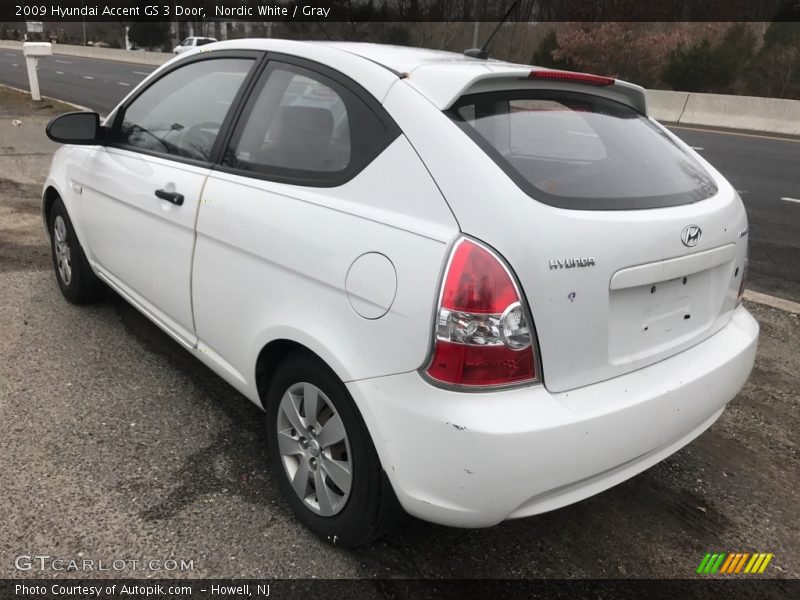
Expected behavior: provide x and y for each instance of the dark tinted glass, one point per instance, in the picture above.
(303, 125)
(581, 151)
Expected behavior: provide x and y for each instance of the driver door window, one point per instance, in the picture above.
(181, 114)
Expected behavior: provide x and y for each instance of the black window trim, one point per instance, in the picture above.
(259, 61)
(604, 204)
(316, 179)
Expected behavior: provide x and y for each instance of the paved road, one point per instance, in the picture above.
(763, 169)
(96, 84)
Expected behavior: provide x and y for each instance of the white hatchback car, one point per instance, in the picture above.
(471, 289)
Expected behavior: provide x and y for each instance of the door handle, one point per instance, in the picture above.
(173, 197)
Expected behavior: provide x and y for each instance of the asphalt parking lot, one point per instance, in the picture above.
(116, 444)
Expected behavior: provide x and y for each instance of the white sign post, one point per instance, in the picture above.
(32, 52)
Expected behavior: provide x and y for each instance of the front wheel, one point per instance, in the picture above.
(323, 457)
(75, 277)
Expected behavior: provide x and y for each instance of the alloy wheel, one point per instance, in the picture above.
(62, 250)
(314, 449)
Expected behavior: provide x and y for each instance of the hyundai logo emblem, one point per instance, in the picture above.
(691, 236)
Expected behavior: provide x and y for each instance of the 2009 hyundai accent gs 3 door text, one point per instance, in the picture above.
(471, 289)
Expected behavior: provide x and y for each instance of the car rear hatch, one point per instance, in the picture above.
(628, 246)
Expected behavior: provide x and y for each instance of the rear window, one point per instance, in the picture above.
(580, 151)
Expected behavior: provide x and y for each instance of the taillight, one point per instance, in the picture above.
(571, 76)
(483, 334)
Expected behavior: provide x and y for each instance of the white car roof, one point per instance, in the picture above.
(440, 76)
(405, 59)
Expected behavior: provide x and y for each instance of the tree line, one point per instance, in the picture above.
(756, 59)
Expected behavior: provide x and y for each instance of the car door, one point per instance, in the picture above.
(141, 190)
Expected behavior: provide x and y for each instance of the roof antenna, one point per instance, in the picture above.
(483, 51)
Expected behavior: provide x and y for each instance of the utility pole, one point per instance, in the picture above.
(174, 32)
(83, 18)
(476, 34)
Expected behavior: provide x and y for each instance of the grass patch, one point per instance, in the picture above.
(16, 103)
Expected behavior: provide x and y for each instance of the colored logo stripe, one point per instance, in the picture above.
(718, 563)
(740, 564)
(734, 562)
(710, 563)
(758, 563)
(766, 562)
(728, 562)
(703, 563)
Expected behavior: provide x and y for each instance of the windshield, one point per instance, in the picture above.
(581, 151)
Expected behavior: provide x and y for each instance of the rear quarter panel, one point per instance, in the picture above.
(272, 259)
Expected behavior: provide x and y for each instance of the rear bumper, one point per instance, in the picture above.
(475, 459)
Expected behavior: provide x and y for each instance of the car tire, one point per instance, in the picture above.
(76, 280)
(346, 517)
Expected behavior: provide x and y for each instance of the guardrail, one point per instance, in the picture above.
(140, 57)
(749, 113)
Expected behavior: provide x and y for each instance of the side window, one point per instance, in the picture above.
(181, 113)
(301, 125)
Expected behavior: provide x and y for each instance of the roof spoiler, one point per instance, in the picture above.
(443, 84)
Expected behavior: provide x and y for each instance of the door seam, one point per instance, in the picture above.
(191, 262)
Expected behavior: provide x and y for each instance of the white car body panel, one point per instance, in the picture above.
(120, 209)
(247, 261)
(65, 167)
(286, 250)
(443, 77)
(520, 452)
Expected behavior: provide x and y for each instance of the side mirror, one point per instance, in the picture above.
(79, 128)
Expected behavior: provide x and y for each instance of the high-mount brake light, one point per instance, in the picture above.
(571, 76)
(483, 335)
